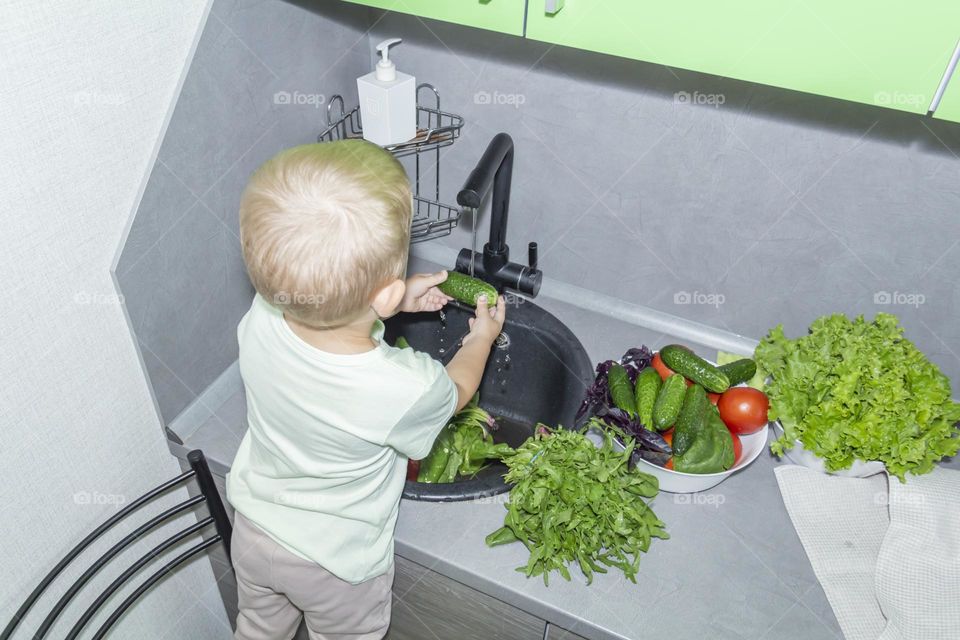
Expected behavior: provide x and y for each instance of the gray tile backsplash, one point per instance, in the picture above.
(787, 205)
(774, 206)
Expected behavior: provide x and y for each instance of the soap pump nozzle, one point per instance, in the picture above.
(386, 69)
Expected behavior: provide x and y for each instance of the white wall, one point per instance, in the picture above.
(84, 91)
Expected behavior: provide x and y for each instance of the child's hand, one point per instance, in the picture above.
(422, 293)
(488, 322)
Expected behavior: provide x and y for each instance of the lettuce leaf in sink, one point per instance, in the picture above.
(857, 390)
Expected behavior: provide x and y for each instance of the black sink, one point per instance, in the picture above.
(537, 372)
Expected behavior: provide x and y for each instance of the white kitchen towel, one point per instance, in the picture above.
(841, 523)
(918, 569)
(886, 553)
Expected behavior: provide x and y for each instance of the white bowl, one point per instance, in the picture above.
(679, 482)
(799, 455)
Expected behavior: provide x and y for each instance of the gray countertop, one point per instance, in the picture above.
(733, 568)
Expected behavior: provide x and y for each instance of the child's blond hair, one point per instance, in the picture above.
(323, 227)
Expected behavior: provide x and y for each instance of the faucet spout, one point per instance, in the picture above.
(495, 169)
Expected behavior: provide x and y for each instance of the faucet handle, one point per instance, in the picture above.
(532, 255)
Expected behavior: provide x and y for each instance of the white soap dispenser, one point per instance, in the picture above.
(388, 101)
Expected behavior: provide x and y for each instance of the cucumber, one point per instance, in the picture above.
(739, 370)
(462, 287)
(645, 394)
(401, 343)
(432, 467)
(690, 421)
(621, 389)
(692, 366)
(669, 400)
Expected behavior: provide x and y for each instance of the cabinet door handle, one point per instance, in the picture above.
(552, 7)
(947, 77)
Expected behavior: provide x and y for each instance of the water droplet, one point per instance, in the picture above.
(442, 350)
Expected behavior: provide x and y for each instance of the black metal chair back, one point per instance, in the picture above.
(200, 471)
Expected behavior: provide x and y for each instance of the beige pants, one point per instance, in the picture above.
(276, 587)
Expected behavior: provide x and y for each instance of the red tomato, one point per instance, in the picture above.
(714, 398)
(668, 436)
(743, 409)
(664, 371)
(413, 469)
(737, 448)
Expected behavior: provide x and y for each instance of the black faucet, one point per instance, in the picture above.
(496, 169)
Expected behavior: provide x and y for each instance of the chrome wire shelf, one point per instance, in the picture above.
(435, 129)
(432, 219)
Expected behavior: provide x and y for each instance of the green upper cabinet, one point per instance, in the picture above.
(505, 16)
(887, 53)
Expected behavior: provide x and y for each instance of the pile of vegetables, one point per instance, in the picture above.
(693, 404)
(621, 414)
(575, 502)
(701, 441)
(463, 447)
(714, 412)
(857, 390)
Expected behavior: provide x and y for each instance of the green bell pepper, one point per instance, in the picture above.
(712, 449)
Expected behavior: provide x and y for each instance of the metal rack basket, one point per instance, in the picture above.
(435, 129)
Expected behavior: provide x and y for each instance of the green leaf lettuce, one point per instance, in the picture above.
(860, 390)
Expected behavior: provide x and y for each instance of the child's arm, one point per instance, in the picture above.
(466, 367)
(415, 433)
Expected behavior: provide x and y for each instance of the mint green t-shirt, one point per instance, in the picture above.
(323, 463)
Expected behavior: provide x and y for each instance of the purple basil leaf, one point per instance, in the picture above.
(659, 459)
(598, 394)
(653, 441)
(645, 439)
(634, 361)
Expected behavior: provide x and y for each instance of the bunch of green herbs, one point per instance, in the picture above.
(576, 502)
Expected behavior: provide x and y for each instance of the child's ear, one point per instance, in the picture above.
(386, 300)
